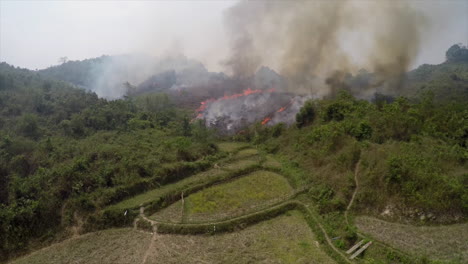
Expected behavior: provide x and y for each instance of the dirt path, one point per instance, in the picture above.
(150, 246)
(327, 238)
(356, 181)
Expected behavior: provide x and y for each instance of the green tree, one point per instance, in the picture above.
(28, 126)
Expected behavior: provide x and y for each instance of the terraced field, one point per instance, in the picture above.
(235, 189)
(284, 239)
(447, 243)
(209, 176)
(231, 199)
(109, 246)
(136, 201)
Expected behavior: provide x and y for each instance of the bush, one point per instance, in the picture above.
(306, 115)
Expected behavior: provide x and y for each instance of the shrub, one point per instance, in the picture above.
(306, 115)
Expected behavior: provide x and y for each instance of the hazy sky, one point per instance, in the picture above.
(35, 34)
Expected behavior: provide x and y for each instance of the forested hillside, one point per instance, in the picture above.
(411, 155)
(69, 158)
(447, 81)
(63, 150)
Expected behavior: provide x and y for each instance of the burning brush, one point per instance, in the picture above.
(231, 113)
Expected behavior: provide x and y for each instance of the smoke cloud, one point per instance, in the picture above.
(317, 44)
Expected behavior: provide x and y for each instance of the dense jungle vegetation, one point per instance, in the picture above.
(63, 149)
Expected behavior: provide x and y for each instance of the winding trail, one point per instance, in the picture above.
(327, 238)
(356, 181)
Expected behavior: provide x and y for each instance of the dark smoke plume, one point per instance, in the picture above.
(315, 44)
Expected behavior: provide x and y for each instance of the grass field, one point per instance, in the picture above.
(284, 239)
(202, 177)
(237, 197)
(435, 242)
(109, 246)
(173, 213)
(231, 146)
(153, 194)
(271, 162)
(241, 164)
(245, 153)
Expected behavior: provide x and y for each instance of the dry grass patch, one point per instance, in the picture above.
(109, 246)
(284, 239)
(237, 197)
(435, 242)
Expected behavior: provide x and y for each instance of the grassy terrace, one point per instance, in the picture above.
(283, 239)
(231, 146)
(447, 243)
(109, 246)
(229, 199)
(271, 162)
(238, 196)
(243, 163)
(149, 196)
(245, 153)
(211, 175)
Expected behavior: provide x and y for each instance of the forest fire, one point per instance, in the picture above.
(246, 92)
(266, 120)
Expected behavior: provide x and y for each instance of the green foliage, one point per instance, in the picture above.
(28, 126)
(457, 53)
(63, 150)
(415, 151)
(306, 115)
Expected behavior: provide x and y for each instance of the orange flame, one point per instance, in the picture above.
(281, 109)
(266, 120)
(248, 91)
